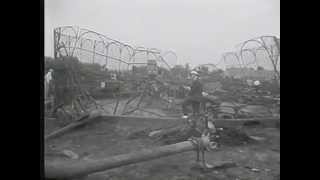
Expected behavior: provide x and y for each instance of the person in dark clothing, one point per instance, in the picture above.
(194, 97)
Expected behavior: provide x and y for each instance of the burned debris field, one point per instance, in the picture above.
(125, 116)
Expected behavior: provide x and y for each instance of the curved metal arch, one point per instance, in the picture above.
(252, 51)
(101, 42)
(128, 47)
(234, 54)
(88, 41)
(248, 41)
(170, 52)
(262, 45)
(262, 49)
(88, 38)
(139, 50)
(268, 36)
(64, 28)
(113, 43)
(237, 57)
(130, 51)
(81, 35)
(104, 36)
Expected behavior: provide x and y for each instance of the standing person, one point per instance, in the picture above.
(48, 90)
(48, 78)
(194, 96)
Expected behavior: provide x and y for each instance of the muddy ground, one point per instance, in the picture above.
(253, 160)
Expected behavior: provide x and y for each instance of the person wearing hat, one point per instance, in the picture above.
(195, 93)
(197, 96)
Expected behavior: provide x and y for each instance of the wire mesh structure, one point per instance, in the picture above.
(257, 53)
(92, 47)
(266, 50)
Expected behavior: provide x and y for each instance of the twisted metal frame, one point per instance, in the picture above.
(261, 44)
(75, 41)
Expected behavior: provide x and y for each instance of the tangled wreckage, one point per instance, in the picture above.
(81, 93)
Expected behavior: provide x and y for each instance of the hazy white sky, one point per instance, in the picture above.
(199, 31)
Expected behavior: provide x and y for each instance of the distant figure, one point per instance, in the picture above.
(257, 85)
(48, 78)
(194, 96)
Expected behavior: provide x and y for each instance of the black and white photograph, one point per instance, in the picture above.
(161, 89)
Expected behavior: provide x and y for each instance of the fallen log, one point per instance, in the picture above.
(81, 121)
(264, 121)
(79, 168)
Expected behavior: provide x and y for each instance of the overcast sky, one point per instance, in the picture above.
(199, 31)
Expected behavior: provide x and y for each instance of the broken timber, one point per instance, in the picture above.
(81, 121)
(79, 168)
(264, 121)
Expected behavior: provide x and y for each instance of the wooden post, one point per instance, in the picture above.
(78, 168)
